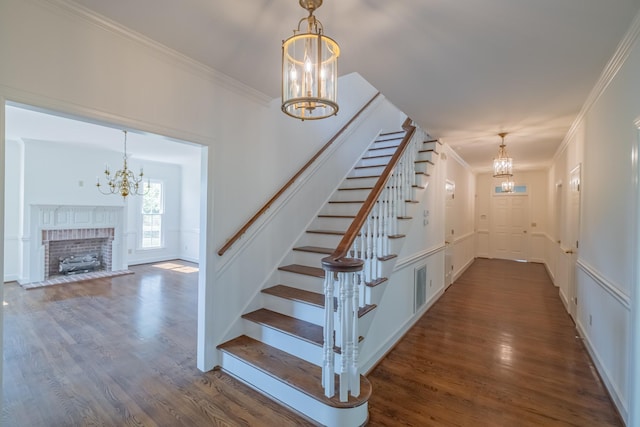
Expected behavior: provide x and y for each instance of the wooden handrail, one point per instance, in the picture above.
(338, 260)
(289, 183)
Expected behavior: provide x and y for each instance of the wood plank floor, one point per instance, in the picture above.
(498, 349)
(119, 352)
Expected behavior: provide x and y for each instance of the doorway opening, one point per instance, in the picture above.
(52, 160)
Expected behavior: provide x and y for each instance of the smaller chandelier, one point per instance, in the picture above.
(123, 182)
(508, 186)
(503, 164)
(310, 70)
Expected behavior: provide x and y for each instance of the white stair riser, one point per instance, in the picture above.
(309, 313)
(374, 161)
(427, 155)
(341, 208)
(299, 310)
(302, 281)
(429, 146)
(322, 240)
(331, 223)
(349, 195)
(362, 182)
(367, 171)
(308, 258)
(383, 152)
(302, 349)
(389, 143)
(280, 391)
(424, 167)
(421, 180)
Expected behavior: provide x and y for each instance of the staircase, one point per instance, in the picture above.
(281, 352)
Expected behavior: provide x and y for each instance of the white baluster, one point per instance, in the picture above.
(354, 373)
(328, 364)
(345, 308)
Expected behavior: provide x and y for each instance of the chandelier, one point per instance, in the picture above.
(503, 164)
(508, 186)
(123, 182)
(310, 70)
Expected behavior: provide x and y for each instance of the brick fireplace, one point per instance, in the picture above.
(66, 242)
(54, 228)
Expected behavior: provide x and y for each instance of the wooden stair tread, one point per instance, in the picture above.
(425, 161)
(295, 372)
(335, 216)
(295, 294)
(383, 148)
(307, 297)
(303, 269)
(395, 132)
(331, 232)
(363, 177)
(377, 157)
(301, 329)
(377, 282)
(346, 201)
(314, 249)
(430, 150)
(371, 166)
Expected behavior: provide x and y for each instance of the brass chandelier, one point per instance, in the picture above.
(503, 164)
(310, 69)
(123, 182)
(508, 186)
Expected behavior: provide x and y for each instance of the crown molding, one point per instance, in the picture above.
(606, 77)
(452, 153)
(173, 56)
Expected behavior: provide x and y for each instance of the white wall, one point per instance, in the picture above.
(190, 213)
(13, 209)
(462, 240)
(604, 141)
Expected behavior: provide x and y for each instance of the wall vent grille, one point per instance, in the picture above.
(420, 287)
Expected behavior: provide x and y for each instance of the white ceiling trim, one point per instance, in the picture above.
(171, 55)
(608, 74)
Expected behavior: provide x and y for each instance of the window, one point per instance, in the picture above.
(152, 210)
(518, 189)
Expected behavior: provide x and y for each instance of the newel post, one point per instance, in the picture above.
(342, 279)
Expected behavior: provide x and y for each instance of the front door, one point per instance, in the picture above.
(509, 238)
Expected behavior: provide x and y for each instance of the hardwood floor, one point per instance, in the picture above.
(119, 352)
(498, 349)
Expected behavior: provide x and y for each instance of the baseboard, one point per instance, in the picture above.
(384, 349)
(614, 393)
(11, 278)
(151, 260)
(460, 272)
(564, 300)
(553, 279)
(189, 259)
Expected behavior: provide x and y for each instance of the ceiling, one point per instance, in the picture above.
(464, 70)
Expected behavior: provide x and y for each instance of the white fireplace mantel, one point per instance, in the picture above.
(59, 217)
